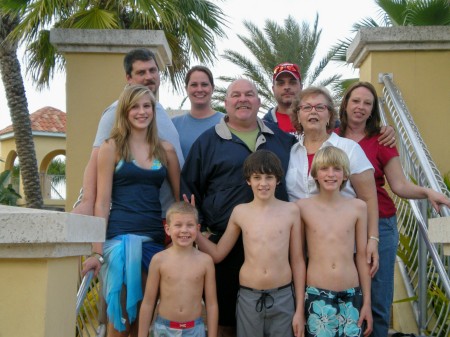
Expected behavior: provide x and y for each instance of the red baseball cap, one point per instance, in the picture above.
(287, 67)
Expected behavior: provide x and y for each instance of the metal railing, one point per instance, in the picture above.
(89, 308)
(53, 186)
(424, 268)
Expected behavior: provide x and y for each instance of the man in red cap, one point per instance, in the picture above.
(287, 83)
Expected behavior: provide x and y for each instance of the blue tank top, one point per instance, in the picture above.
(135, 205)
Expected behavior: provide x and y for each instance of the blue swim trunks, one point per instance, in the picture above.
(165, 328)
(333, 313)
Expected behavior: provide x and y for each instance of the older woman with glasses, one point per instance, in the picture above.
(313, 116)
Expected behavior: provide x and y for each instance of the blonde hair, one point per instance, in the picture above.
(331, 156)
(122, 128)
(181, 207)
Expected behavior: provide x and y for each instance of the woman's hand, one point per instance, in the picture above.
(373, 259)
(91, 263)
(437, 199)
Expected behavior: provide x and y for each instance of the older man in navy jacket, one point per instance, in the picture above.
(213, 174)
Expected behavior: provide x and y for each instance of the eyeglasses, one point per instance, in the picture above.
(317, 107)
(284, 67)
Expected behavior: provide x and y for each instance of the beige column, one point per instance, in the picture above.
(419, 60)
(39, 265)
(95, 78)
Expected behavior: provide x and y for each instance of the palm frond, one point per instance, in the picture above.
(428, 12)
(42, 60)
(274, 43)
(395, 9)
(94, 18)
(191, 27)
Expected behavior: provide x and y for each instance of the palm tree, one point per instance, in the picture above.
(190, 27)
(275, 44)
(18, 107)
(400, 13)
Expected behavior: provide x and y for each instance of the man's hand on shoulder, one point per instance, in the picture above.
(387, 136)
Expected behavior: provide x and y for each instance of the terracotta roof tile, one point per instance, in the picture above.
(46, 119)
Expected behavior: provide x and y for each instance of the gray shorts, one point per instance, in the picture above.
(165, 328)
(267, 313)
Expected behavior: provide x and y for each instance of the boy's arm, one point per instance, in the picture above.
(226, 243)
(365, 314)
(298, 267)
(211, 306)
(150, 297)
(363, 267)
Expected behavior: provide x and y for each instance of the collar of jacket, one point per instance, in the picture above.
(273, 113)
(224, 132)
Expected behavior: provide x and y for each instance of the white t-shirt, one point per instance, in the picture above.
(300, 184)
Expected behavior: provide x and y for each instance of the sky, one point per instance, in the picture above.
(335, 19)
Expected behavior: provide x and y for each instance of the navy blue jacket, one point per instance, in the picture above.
(270, 116)
(213, 171)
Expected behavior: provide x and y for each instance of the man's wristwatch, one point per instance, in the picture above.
(99, 257)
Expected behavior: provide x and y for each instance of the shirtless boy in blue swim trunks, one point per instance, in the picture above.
(273, 272)
(337, 298)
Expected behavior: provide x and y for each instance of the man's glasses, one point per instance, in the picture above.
(284, 67)
(317, 107)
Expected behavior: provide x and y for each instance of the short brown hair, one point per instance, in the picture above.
(263, 162)
(181, 207)
(139, 54)
(201, 69)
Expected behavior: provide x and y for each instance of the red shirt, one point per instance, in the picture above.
(284, 122)
(379, 156)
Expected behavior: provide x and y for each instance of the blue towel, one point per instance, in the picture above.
(123, 256)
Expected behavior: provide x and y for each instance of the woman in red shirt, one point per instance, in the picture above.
(360, 121)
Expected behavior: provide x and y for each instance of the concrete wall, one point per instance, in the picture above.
(39, 266)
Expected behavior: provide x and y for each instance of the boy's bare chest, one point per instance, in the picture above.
(266, 231)
(329, 221)
(182, 273)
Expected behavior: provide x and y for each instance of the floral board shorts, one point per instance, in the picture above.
(333, 313)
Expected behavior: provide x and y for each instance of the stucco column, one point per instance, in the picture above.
(95, 77)
(419, 60)
(39, 264)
